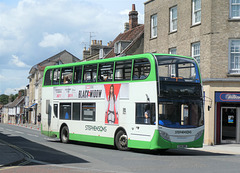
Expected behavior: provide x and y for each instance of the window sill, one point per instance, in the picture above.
(233, 75)
(153, 38)
(234, 20)
(194, 25)
(172, 32)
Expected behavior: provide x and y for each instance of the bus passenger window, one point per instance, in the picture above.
(90, 73)
(105, 72)
(55, 109)
(76, 111)
(48, 77)
(88, 111)
(77, 74)
(56, 76)
(67, 75)
(123, 70)
(65, 111)
(145, 113)
(141, 69)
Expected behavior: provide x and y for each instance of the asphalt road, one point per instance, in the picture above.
(50, 155)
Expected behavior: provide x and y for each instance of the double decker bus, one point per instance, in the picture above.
(145, 101)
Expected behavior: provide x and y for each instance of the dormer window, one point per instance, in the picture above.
(120, 46)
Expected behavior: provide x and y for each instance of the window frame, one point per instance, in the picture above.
(173, 19)
(230, 10)
(196, 56)
(153, 27)
(194, 11)
(233, 70)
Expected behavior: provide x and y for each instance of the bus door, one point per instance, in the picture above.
(145, 121)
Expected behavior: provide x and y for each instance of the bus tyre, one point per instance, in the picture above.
(65, 135)
(121, 141)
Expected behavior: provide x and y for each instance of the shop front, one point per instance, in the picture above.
(227, 117)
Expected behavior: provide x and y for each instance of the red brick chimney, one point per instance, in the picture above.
(133, 18)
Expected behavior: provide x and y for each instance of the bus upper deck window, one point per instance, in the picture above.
(48, 77)
(90, 73)
(123, 70)
(141, 69)
(77, 74)
(105, 72)
(56, 76)
(66, 77)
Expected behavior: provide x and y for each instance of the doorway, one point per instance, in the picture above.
(230, 124)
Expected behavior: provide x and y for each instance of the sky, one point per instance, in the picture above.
(34, 30)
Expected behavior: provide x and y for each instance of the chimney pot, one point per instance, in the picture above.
(133, 7)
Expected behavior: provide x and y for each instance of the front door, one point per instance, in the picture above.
(230, 125)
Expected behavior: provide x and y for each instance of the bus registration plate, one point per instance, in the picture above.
(181, 146)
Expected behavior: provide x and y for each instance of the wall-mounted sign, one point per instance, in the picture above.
(227, 97)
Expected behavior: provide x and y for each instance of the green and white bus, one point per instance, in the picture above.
(145, 101)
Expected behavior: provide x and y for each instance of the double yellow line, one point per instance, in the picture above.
(27, 156)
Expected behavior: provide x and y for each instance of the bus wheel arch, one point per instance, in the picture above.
(64, 133)
(121, 139)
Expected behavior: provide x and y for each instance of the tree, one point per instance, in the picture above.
(4, 99)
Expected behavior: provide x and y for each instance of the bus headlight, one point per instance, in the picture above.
(198, 135)
(164, 135)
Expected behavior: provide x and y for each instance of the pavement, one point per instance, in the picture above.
(11, 155)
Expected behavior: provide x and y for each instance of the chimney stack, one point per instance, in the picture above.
(133, 18)
(126, 26)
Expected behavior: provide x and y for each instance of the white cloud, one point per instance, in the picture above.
(9, 91)
(16, 61)
(2, 77)
(54, 40)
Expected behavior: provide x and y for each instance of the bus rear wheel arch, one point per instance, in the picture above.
(64, 134)
(121, 140)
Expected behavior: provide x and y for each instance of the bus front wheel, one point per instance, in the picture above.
(65, 135)
(121, 141)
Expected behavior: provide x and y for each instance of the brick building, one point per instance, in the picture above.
(207, 30)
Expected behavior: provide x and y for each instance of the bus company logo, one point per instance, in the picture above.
(183, 132)
(232, 97)
(89, 93)
(96, 128)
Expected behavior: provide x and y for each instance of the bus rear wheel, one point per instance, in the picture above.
(65, 135)
(121, 141)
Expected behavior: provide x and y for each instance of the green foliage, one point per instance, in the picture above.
(4, 99)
